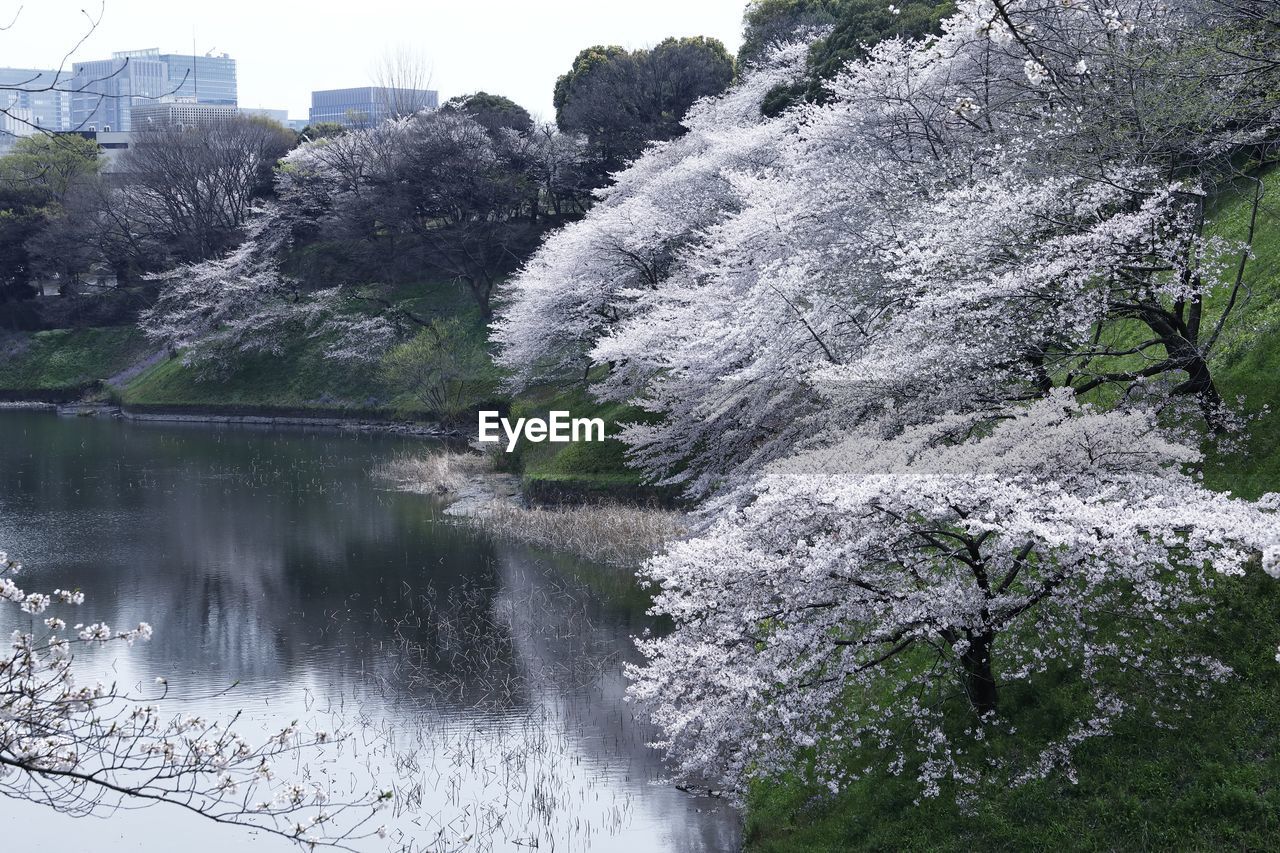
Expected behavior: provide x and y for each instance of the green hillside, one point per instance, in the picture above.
(69, 359)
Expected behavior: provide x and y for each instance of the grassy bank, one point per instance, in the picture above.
(67, 361)
(302, 377)
(1208, 784)
(1247, 367)
(581, 471)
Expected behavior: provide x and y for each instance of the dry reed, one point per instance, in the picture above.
(606, 533)
(436, 473)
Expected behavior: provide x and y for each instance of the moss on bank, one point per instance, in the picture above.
(68, 360)
(581, 471)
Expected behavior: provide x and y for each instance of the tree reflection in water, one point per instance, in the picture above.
(479, 681)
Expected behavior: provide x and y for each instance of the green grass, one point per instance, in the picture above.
(1212, 783)
(580, 470)
(67, 359)
(1248, 365)
(302, 378)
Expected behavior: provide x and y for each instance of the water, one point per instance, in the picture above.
(285, 582)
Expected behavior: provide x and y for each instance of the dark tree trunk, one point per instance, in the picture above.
(1200, 382)
(482, 290)
(979, 682)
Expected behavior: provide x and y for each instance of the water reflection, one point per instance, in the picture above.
(485, 683)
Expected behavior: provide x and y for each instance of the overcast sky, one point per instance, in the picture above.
(283, 50)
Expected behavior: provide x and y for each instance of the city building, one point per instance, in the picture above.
(203, 79)
(15, 123)
(34, 99)
(365, 106)
(154, 115)
(108, 90)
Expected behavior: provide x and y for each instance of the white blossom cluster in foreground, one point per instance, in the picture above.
(868, 580)
(77, 746)
(867, 329)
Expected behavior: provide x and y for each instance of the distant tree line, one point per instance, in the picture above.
(462, 194)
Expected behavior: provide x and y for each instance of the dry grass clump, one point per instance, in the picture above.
(437, 473)
(617, 534)
(605, 533)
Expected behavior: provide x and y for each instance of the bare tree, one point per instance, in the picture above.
(194, 187)
(403, 76)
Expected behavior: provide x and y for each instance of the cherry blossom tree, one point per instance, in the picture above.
(217, 311)
(877, 591)
(87, 748)
(960, 224)
(914, 343)
(586, 277)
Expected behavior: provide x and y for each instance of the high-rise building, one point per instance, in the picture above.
(107, 90)
(34, 100)
(365, 106)
(202, 79)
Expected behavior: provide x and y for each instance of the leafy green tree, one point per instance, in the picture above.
(494, 113)
(21, 218)
(853, 27)
(50, 164)
(322, 130)
(35, 179)
(862, 23)
(445, 367)
(621, 100)
(770, 22)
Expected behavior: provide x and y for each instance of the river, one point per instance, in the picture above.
(284, 582)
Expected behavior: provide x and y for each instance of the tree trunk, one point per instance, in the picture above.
(482, 289)
(979, 682)
(1200, 382)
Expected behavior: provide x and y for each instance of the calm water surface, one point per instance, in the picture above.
(484, 680)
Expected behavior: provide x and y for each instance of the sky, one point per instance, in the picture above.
(283, 50)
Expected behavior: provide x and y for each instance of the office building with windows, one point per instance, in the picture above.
(365, 106)
(34, 100)
(202, 79)
(108, 90)
(155, 115)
